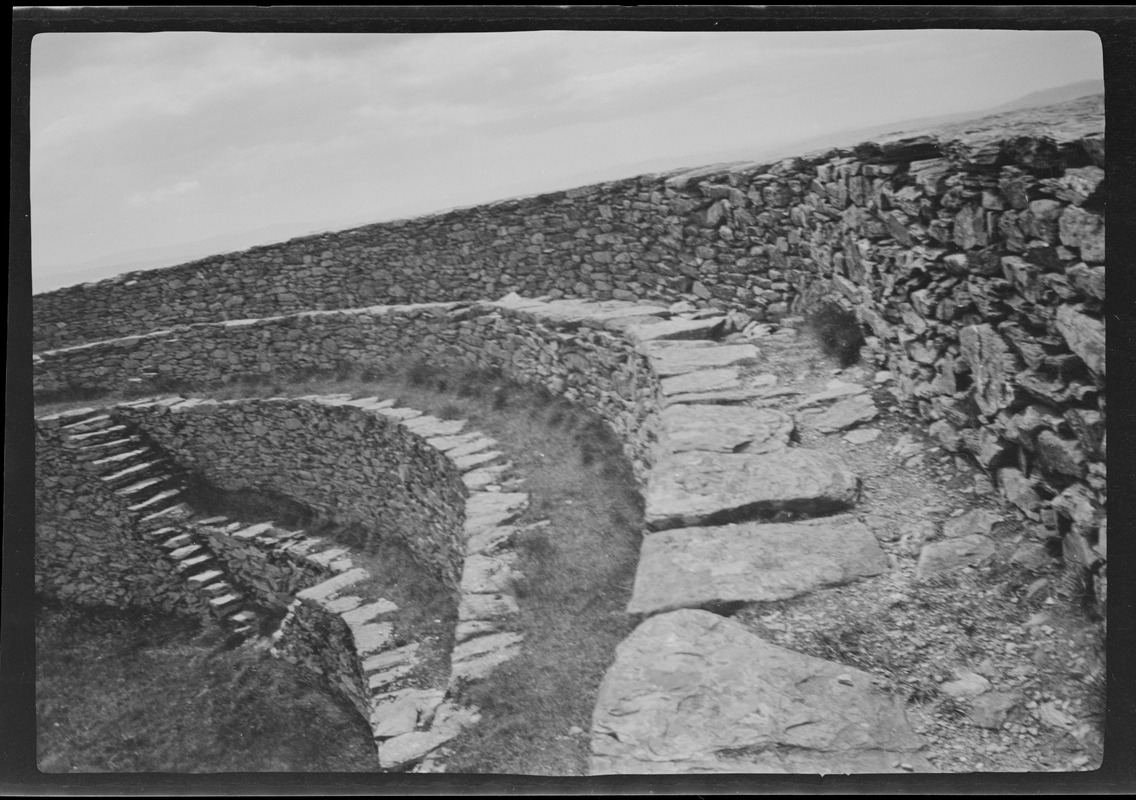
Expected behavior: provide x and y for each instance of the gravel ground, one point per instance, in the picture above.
(1001, 662)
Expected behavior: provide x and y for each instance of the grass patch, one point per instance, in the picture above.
(134, 692)
(576, 572)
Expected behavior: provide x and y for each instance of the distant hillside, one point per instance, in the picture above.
(850, 136)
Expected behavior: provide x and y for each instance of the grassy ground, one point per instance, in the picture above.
(132, 692)
(577, 570)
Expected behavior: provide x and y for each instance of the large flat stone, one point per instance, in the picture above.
(723, 379)
(675, 329)
(692, 692)
(751, 562)
(727, 429)
(694, 488)
(844, 414)
(679, 358)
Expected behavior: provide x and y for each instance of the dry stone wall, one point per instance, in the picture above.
(351, 465)
(88, 547)
(569, 350)
(975, 255)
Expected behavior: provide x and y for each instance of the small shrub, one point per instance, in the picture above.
(450, 411)
(501, 398)
(837, 332)
(419, 373)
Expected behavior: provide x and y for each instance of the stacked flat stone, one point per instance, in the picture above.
(329, 628)
(132, 493)
(351, 461)
(975, 254)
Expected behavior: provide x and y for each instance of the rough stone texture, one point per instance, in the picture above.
(694, 488)
(1085, 336)
(538, 343)
(952, 554)
(990, 710)
(693, 692)
(976, 521)
(350, 464)
(672, 359)
(88, 549)
(973, 253)
(843, 414)
(727, 429)
(966, 686)
(750, 562)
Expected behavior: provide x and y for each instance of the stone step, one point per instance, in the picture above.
(178, 511)
(90, 450)
(156, 499)
(154, 483)
(160, 534)
(133, 472)
(217, 588)
(122, 458)
(693, 692)
(725, 429)
(58, 421)
(225, 603)
(244, 618)
(185, 551)
(96, 435)
(96, 422)
(718, 568)
(178, 541)
(700, 488)
(203, 579)
(196, 561)
(670, 359)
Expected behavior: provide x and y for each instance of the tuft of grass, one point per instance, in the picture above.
(836, 331)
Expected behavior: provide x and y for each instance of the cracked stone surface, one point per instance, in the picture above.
(842, 415)
(692, 692)
(678, 358)
(696, 488)
(727, 429)
(751, 562)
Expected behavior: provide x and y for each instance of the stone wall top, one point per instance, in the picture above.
(705, 233)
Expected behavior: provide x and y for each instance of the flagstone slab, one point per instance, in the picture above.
(714, 567)
(706, 380)
(682, 357)
(728, 429)
(693, 692)
(699, 488)
(674, 329)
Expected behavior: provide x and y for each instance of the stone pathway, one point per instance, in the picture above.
(737, 514)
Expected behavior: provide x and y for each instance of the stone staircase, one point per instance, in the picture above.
(150, 487)
(736, 514)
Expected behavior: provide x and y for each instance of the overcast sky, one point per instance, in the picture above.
(150, 139)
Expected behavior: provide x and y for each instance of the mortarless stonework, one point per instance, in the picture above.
(975, 257)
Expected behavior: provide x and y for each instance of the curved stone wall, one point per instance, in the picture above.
(88, 548)
(585, 352)
(351, 464)
(432, 478)
(974, 256)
